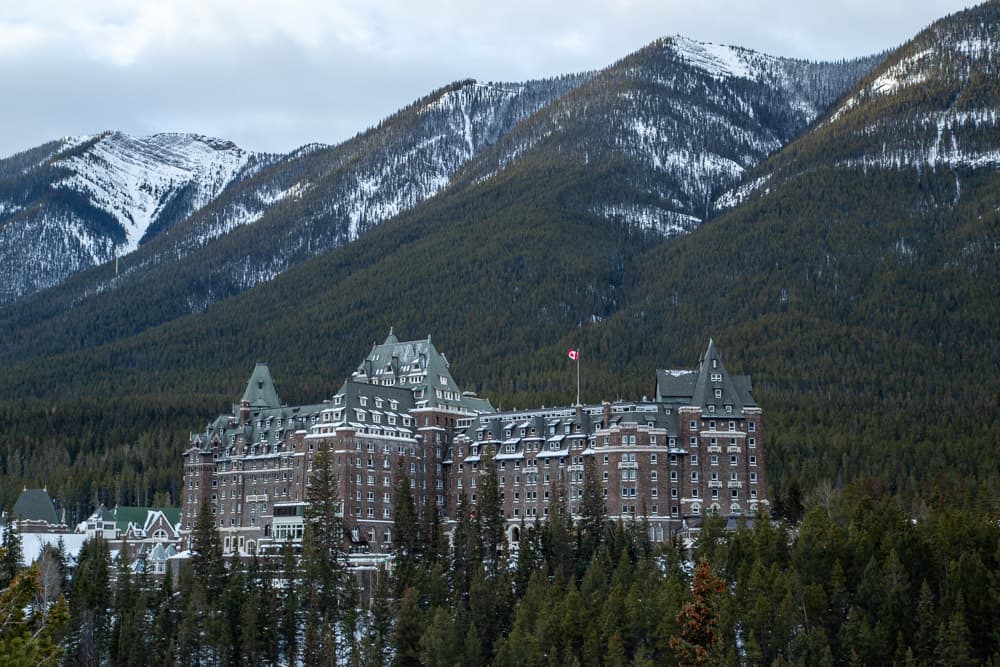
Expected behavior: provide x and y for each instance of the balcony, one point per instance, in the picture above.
(715, 485)
(628, 465)
(734, 449)
(735, 485)
(715, 449)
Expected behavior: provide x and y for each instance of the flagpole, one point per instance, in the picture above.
(578, 376)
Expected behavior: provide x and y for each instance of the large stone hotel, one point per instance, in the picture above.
(696, 449)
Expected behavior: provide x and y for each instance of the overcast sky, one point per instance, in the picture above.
(275, 75)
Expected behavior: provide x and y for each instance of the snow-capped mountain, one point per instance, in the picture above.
(79, 202)
(677, 123)
(932, 104)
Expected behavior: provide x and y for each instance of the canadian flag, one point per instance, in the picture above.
(574, 354)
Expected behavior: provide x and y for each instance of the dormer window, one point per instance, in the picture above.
(363, 400)
(718, 393)
(711, 407)
(378, 402)
(729, 408)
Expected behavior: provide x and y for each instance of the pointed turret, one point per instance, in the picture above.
(715, 390)
(260, 391)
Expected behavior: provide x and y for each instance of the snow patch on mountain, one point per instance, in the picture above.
(718, 60)
(650, 218)
(135, 178)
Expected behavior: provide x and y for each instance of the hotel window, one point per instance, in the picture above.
(694, 425)
(753, 460)
(673, 475)
(753, 478)
(673, 493)
(652, 458)
(653, 475)
(694, 459)
(752, 443)
(715, 459)
(752, 427)
(694, 476)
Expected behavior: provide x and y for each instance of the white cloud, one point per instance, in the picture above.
(274, 75)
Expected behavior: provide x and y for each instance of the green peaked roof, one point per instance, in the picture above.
(260, 391)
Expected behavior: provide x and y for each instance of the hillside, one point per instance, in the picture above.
(641, 139)
(80, 202)
(859, 295)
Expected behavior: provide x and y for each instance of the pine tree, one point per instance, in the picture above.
(163, 640)
(406, 547)
(11, 551)
(90, 604)
(289, 605)
(29, 633)
(593, 525)
(324, 559)
(409, 628)
(127, 645)
(492, 524)
(698, 642)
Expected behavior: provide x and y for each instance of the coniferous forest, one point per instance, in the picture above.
(855, 281)
(856, 581)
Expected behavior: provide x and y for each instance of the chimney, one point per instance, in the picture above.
(607, 413)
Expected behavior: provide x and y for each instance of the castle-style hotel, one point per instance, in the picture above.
(696, 449)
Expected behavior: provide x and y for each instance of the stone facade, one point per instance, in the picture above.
(696, 449)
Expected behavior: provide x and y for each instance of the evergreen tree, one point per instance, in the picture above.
(409, 628)
(11, 551)
(699, 640)
(593, 524)
(163, 639)
(128, 636)
(90, 604)
(492, 524)
(289, 605)
(324, 559)
(465, 552)
(207, 565)
(29, 633)
(406, 547)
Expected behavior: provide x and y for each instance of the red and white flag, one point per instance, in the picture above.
(574, 354)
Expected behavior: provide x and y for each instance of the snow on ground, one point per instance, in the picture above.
(33, 543)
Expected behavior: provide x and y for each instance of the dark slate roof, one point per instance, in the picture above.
(417, 366)
(675, 384)
(734, 388)
(260, 391)
(35, 505)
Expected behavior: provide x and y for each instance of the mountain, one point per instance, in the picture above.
(545, 199)
(646, 143)
(856, 271)
(859, 292)
(673, 125)
(79, 202)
